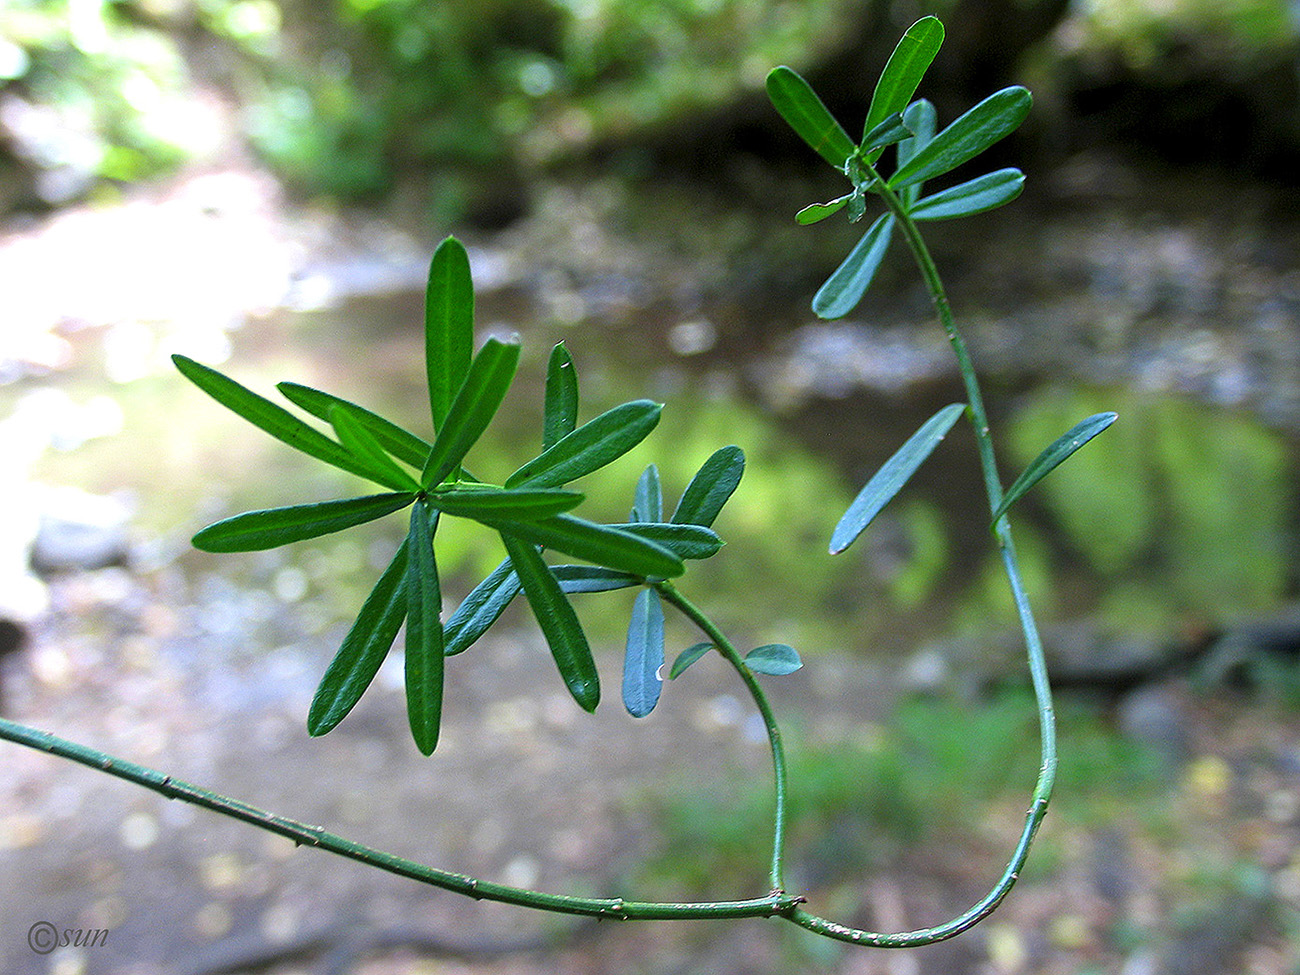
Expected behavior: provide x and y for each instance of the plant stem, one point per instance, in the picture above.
(775, 903)
(1033, 644)
(728, 650)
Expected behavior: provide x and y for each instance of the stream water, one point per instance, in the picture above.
(1182, 315)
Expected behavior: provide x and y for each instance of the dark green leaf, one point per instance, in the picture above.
(903, 72)
(496, 504)
(558, 621)
(688, 657)
(888, 132)
(920, 117)
(845, 288)
(592, 578)
(992, 119)
(775, 659)
(480, 609)
(560, 416)
(367, 450)
(1051, 458)
(891, 477)
(448, 326)
(598, 543)
(710, 488)
(590, 447)
(973, 196)
(799, 105)
(254, 531)
(642, 681)
(424, 649)
(401, 443)
(363, 649)
(685, 541)
(476, 403)
(261, 412)
(649, 503)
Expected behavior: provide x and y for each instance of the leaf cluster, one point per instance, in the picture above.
(530, 512)
(923, 152)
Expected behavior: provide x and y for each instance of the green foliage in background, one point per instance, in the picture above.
(343, 96)
(1188, 508)
(1143, 31)
(861, 799)
(89, 91)
(464, 88)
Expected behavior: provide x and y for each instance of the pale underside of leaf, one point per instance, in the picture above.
(891, 477)
(642, 679)
(1056, 453)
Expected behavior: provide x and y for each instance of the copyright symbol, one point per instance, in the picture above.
(42, 937)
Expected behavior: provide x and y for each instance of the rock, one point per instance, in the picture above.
(13, 636)
(1081, 655)
(1112, 866)
(1157, 715)
(1249, 650)
(80, 531)
(928, 671)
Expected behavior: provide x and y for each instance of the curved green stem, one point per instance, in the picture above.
(775, 903)
(725, 647)
(1033, 644)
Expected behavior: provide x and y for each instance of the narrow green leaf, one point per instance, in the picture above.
(495, 504)
(710, 488)
(903, 72)
(363, 649)
(592, 578)
(1053, 456)
(684, 541)
(399, 442)
(921, 118)
(601, 544)
(560, 416)
(888, 132)
(973, 196)
(480, 609)
(424, 644)
(845, 288)
(992, 119)
(558, 621)
(891, 477)
(254, 531)
(489, 599)
(649, 503)
(815, 212)
(642, 680)
(590, 447)
(799, 105)
(688, 657)
(448, 326)
(775, 659)
(274, 419)
(367, 450)
(472, 410)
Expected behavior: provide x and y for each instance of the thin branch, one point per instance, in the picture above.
(616, 908)
(725, 647)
